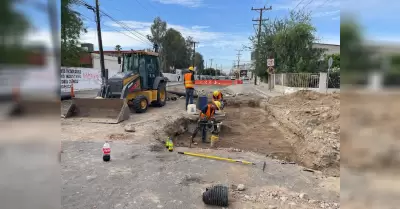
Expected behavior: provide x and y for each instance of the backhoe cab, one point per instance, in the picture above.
(139, 84)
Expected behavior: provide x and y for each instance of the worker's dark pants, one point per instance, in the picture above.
(203, 128)
(189, 97)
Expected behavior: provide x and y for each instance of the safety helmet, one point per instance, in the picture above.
(215, 93)
(191, 68)
(218, 104)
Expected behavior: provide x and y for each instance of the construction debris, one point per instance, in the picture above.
(130, 128)
(241, 187)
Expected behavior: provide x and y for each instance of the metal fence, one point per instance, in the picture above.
(297, 80)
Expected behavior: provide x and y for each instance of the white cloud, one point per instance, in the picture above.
(310, 5)
(199, 27)
(111, 38)
(326, 13)
(187, 3)
(319, 8)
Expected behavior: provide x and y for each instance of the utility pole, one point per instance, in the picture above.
(260, 20)
(194, 51)
(103, 68)
(238, 57)
(211, 63)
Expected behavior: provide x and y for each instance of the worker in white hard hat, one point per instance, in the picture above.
(188, 80)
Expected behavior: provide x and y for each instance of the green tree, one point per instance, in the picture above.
(175, 49)
(13, 27)
(324, 64)
(71, 29)
(289, 41)
(208, 71)
(158, 30)
(118, 48)
(189, 49)
(199, 61)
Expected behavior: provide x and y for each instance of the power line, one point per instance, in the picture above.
(307, 4)
(323, 4)
(113, 29)
(123, 25)
(298, 4)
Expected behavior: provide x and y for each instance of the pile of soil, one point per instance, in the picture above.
(314, 118)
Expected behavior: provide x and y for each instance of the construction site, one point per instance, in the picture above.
(292, 142)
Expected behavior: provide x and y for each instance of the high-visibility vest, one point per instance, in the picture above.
(189, 83)
(209, 112)
(217, 98)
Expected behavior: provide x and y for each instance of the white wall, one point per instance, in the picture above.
(110, 63)
(90, 78)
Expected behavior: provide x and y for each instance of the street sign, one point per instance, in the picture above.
(270, 62)
(330, 62)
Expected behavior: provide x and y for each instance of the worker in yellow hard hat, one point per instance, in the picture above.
(206, 115)
(217, 96)
(188, 80)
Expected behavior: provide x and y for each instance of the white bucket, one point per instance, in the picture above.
(191, 109)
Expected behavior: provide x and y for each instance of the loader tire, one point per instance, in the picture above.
(161, 94)
(140, 104)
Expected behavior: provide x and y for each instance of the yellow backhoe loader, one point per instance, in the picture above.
(139, 85)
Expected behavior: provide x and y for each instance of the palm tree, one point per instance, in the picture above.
(118, 48)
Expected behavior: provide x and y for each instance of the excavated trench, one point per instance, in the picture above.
(251, 126)
(245, 128)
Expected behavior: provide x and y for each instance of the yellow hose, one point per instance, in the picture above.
(216, 158)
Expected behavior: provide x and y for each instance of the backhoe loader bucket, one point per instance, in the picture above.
(110, 111)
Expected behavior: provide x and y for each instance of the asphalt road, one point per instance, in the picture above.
(147, 176)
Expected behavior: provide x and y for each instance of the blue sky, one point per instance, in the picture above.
(222, 26)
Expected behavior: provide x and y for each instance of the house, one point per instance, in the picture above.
(330, 48)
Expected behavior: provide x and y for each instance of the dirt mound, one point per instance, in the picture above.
(314, 118)
(307, 95)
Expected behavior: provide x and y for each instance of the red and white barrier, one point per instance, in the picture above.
(218, 82)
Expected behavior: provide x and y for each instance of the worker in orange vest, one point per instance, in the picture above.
(188, 80)
(217, 96)
(206, 115)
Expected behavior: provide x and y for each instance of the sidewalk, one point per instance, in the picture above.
(262, 89)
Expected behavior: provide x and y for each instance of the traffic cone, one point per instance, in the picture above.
(72, 90)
